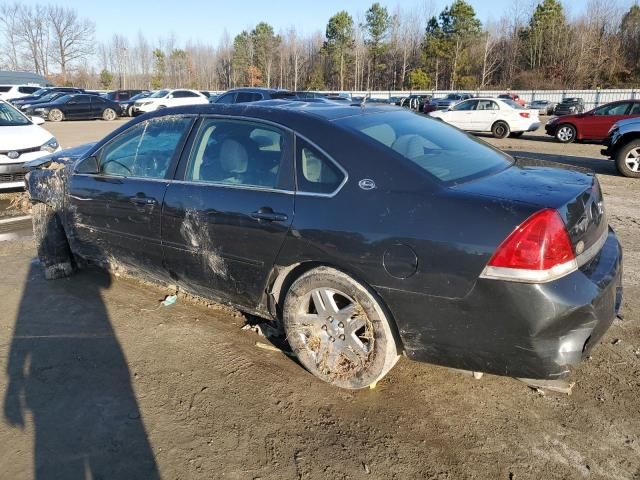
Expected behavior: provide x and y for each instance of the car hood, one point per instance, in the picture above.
(628, 122)
(535, 182)
(21, 137)
(66, 156)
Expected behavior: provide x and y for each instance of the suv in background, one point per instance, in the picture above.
(514, 97)
(9, 92)
(446, 102)
(569, 106)
(246, 95)
(122, 95)
(623, 146)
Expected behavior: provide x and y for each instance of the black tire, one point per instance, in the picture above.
(109, 114)
(130, 111)
(565, 133)
(348, 343)
(55, 115)
(516, 134)
(53, 248)
(500, 129)
(628, 159)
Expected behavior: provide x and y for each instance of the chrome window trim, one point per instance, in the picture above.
(331, 159)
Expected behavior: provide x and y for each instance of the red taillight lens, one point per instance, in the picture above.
(524, 114)
(540, 243)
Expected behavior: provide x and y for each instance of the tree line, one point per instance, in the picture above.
(382, 48)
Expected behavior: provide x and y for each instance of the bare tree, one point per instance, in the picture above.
(33, 32)
(73, 38)
(9, 25)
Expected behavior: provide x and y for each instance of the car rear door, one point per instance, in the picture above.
(485, 114)
(78, 107)
(224, 221)
(117, 211)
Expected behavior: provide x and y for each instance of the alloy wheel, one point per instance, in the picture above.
(565, 134)
(633, 160)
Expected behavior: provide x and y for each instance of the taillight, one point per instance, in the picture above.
(538, 250)
(524, 114)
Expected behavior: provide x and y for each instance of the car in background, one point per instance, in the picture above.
(168, 98)
(569, 106)
(514, 97)
(126, 106)
(10, 92)
(415, 102)
(446, 102)
(623, 146)
(544, 107)
(76, 107)
(593, 125)
(38, 94)
(270, 207)
(21, 139)
(49, 97)
(122, 95)
(501, 117)
(250, 94)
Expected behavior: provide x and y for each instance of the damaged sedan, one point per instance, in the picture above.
(368, 231)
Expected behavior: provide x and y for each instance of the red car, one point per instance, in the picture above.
(514, 97)
(593, 125)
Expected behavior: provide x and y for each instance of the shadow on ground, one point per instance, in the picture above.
(68, 373)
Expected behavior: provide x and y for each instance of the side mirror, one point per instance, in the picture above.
(88, 166)
(37, 120)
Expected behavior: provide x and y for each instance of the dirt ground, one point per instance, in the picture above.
(102, 383)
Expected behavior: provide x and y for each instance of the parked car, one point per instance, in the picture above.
(21, 140)
(9, 92)
(501, 117)
(122, 95)
(126, 106)
(623, 145)
(544, 107)
(76, 107)
(49, 97)
(514, 97)
(569, 106)
(446, 102)
(269, 207)
(168, 98)
(250, 94)
(415, 102)
(38, 94)
(593, 125)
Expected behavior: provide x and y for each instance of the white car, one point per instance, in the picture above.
(21, 140)
(501, 117)
(9, 92)
(168, 98)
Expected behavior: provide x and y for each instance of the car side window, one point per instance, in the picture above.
(315, 173)
(245, 97)
(487, 105)
(228, 98)
(466, 105)
(615, 109)
(98, 100)
(146, 149)
(635, 109)
(233, 152)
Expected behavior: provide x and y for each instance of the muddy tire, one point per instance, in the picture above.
(338, 329)
(53, 248)
(566, 133)
(109, 114)
(628, 159)
(500, 129)
(55, 115)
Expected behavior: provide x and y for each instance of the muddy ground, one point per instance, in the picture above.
(102, 383)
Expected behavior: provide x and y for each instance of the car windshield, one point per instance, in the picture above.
(10, 117)
(452, 96)
(63, 99)
(512, 104)
(159, 94)
(442, 151)
(40, 92)
(50, 96)
(139, 96)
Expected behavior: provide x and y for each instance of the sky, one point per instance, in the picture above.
(206, 21)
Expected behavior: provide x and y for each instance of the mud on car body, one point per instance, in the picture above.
(369, 232)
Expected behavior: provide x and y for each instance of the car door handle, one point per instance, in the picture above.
(268, 215)
(143, 201)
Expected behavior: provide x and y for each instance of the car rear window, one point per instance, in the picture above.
(442, 151)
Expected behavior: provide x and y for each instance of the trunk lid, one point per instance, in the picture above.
(575, 193)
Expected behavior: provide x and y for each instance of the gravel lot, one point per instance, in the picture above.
(103, 384)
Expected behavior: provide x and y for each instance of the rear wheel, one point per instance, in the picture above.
(566, 133)
(338, 329)
(55, 115)
(500, 129)
(628, 159)
(109, 114)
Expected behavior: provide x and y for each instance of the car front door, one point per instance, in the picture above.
(117, 210)
(461, 115)
(225, 221)
(596, 124)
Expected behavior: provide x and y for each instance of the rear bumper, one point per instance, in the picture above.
(515, 329)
